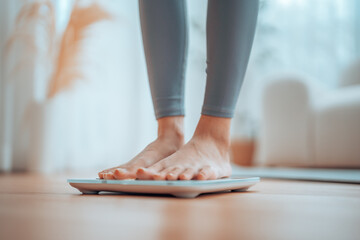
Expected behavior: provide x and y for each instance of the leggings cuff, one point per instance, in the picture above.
(173, 106)
(217, 112)
(169, 113)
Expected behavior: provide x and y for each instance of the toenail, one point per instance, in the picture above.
(141, 170)
(157, 176)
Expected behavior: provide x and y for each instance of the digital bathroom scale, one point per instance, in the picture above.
(179, 188)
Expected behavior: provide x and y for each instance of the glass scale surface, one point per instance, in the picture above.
(179, 188)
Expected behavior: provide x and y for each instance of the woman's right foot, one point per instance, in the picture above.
(170, 139)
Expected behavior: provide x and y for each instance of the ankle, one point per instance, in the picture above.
(216, 129)
(171, 128)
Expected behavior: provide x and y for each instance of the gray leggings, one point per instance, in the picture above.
(230, 31)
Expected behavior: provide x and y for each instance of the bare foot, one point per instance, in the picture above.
(204, 157)
(170, 139)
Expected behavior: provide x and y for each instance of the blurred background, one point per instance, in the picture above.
(74, 92)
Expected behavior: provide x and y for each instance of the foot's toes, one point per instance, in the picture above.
(108, 176)
(103, 172)
(121, 173)
(188, 174)
(206, 173)
(173, 174)
(150, 172)
(144, 174)
(163, 174)
(159, 175)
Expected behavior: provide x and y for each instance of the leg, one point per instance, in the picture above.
(230, 31)
(164, 30)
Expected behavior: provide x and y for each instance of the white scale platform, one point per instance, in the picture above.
(182, 189)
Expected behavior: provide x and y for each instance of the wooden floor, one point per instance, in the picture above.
(39, 207)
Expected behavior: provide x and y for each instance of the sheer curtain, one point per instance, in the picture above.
(105, 117)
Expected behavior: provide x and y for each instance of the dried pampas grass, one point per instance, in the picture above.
(31, 15)
(67, 69)
(41, 13)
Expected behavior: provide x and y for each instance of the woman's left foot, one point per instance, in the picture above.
(204, 157)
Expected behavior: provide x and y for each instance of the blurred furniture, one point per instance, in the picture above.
(305, 124)
(242, 152)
